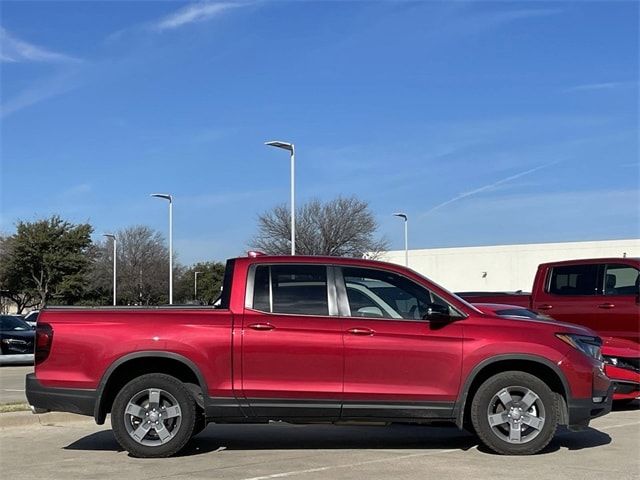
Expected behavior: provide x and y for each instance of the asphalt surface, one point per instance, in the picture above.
(12, 383)
(276, 451)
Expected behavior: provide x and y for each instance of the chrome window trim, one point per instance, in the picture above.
(344, 310)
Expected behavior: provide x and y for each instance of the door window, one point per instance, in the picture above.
(621, 280)
(379, 294)
(574, 280)
(291, 289)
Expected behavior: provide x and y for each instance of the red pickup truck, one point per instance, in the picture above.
(318, 339)
(602, 294)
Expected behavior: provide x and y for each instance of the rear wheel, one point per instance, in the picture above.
(153, 416)
(515, 413)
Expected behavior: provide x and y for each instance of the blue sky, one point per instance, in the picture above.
(487, 122)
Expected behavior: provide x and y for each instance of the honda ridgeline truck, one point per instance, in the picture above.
(317, 339)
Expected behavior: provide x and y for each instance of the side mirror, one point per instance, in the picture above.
(437, 313)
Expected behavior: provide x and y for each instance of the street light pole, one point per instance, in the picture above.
(292, 151)
(406, 236)
(195, 285)
(115, 251)
(168, 197)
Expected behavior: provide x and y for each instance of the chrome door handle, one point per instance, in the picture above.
(261, 326)
(545, 307)
(361, 331)
(606, 305)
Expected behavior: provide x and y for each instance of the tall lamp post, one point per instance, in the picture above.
(169, 198)
(115, 251)
(291, 148)
(406, 236)
(195, 285)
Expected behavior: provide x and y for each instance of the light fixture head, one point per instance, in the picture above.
(166, 196)
(284, 145)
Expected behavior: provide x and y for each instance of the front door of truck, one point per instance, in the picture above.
(292, 351)
(397, 364)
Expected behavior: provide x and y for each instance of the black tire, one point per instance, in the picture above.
(510, 431)
(164, 437)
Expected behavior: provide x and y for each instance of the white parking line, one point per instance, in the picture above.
(347, 465)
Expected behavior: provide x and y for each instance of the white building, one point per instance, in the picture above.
(502, 267)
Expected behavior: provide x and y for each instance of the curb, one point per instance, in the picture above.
(23, 419)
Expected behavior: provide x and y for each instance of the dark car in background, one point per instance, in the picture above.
(16, 340)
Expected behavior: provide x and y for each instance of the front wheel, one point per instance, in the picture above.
(515, 413)
(153, 416)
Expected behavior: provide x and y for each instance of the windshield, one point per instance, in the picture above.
(12, 324)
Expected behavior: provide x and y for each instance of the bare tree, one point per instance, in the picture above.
(343, 227)
(143, 268)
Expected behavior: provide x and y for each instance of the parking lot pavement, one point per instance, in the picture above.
(276, 451)
(12, 383)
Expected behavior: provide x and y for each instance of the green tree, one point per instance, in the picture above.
(44, 260)
(12, 288)
(210, 276)
(343, 227)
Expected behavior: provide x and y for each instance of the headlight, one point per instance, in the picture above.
(611, 360)
(590, 346)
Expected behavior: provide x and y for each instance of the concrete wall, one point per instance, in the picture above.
(503, 267)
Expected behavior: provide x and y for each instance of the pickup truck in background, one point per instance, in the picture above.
(602, 294)
(318, 339)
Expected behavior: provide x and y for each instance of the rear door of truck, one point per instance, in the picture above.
(292, 347)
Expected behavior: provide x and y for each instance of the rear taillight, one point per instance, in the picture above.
(44, 337)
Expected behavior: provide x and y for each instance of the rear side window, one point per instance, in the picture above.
(621, 280)
(291, 289)
(574, 280)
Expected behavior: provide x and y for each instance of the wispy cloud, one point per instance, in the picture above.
(599, 86)
(40, 91)
(197, 12)
(14, 50)
(76, 190)
(488, 187)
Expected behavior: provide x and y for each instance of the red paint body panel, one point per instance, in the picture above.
(302, 357)
(402, 361)
(87, 343)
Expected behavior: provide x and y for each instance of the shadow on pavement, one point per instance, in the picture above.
(588, 438)
(328, 437)
(302, 437)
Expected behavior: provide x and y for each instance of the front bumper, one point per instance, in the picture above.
(582, 410)
(47, 399)
(626, 382)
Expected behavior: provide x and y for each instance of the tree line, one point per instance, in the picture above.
(55, 262)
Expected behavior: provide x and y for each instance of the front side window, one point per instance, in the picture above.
(621, 280)
(379, 294)
(574, 280)
(291, 289)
